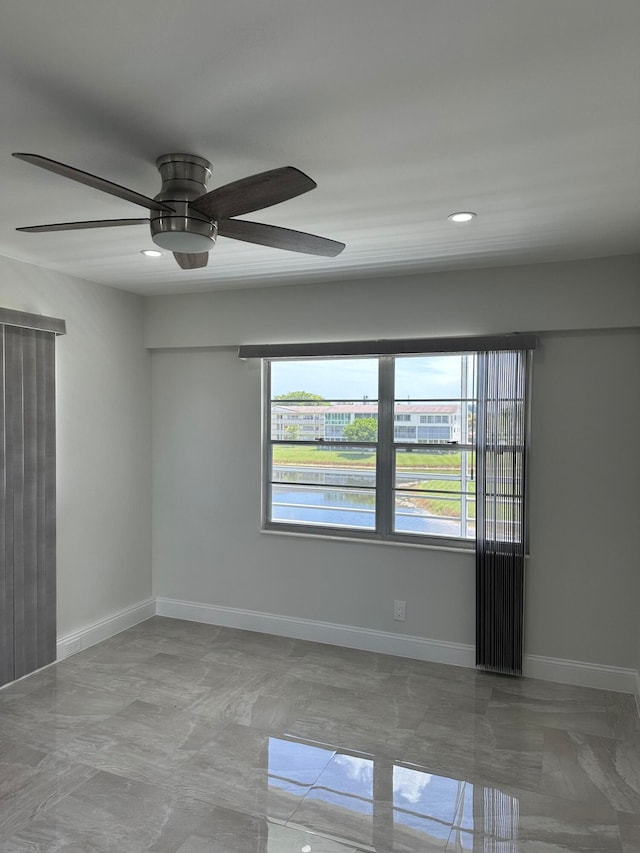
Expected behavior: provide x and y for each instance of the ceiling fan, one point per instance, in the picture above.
(186, 219)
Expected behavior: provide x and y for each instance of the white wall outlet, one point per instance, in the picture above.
(400, 611)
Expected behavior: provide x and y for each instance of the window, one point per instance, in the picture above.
(370, 470)
(404, 433)
(417, 441)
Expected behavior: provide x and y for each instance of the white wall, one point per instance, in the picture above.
(207, 544)
(583, 580)
(103, 444)
(601, 293)
(582, 577)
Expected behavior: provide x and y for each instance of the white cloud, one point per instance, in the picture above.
(360, 769)
(409, 784)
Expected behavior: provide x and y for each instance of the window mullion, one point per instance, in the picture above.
(267, 453)
(385, 461)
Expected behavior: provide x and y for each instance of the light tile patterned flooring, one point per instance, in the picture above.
(178, 737)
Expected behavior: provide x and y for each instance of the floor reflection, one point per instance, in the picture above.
(362, 802)
(188, 738)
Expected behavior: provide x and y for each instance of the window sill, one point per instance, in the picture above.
(364, 540)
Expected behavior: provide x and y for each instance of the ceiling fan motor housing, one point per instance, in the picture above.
(184, 178)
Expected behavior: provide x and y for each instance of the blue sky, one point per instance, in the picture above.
(436, 377)
(425, 802)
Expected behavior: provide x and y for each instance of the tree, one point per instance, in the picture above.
(362, 429)
(292, 432)
(306, 396)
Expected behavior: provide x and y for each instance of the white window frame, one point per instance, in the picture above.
(385, 446)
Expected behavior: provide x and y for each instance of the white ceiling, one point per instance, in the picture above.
(526, 111)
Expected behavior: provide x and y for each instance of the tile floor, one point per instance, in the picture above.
(178, 737)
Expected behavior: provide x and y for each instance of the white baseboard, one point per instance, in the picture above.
(457, 654)
(102, 629)
(437, 651)
(580, 673)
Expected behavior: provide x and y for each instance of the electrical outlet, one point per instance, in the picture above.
(400, 611)
(72, 647)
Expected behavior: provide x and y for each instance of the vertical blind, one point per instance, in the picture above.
(500, 523)
(27, 494)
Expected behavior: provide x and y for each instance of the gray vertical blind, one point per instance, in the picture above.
(27, 496)
(500, 523)
(496, 818)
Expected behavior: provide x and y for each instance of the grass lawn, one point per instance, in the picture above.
(448, 460)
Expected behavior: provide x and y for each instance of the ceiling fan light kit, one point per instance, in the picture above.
(186, 219)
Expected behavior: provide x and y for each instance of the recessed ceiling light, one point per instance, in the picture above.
(151, 253)
(462, 216)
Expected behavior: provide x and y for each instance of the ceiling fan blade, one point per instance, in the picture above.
(191, 261)
(92, 181)
(253, 193)
(76, 226)
(279, 238)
